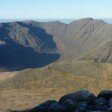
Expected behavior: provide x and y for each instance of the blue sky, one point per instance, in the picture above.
(55, 9)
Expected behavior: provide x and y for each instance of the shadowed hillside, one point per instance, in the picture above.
(25, 46)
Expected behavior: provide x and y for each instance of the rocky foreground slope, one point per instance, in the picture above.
(80, 101)
(30, 87)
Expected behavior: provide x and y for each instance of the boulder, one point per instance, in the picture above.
(107, 94)
(100, 101)
(101, 107)
(70, 105)
(80, 96)
(110, 103)
(110, 109)
(56, 107)
(100, 104)
(43, 107)
(82, 107)
(93, 111)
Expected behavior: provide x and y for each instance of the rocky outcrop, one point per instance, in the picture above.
(81, 101)
(80, 96)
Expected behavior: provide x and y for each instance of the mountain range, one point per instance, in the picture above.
(78, 56)
(31, 44)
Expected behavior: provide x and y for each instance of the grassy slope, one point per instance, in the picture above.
(32, 86)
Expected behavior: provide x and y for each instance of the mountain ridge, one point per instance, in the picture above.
(54, 41)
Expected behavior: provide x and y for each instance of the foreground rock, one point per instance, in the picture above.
(107, 94)
(80, 96)
(81, 101)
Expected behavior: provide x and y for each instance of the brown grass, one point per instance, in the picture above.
(33, 86)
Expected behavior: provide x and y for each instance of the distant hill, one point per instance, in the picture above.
(82, 39)
(31, 44)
